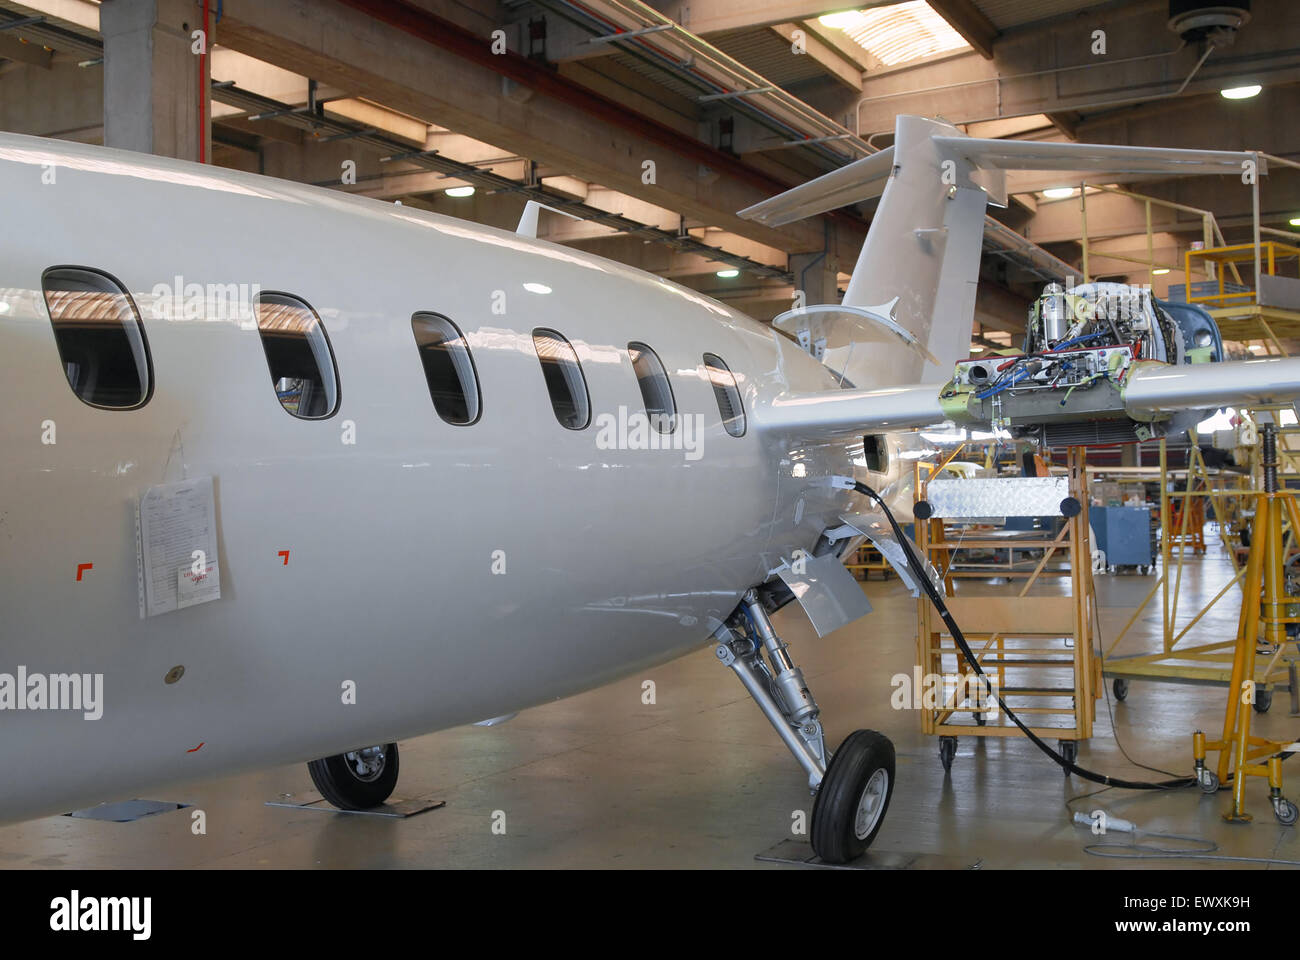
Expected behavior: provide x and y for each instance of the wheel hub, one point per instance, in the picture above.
(366, 765)
(871, 804)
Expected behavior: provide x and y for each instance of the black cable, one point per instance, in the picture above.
(936, 598)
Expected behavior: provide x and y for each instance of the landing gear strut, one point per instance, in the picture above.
(358, 779)
(853, 787)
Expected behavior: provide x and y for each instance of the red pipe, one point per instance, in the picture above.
(203, 89)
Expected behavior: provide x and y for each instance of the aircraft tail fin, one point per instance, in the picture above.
(922, 253)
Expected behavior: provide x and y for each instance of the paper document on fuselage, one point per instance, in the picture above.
(178, 546)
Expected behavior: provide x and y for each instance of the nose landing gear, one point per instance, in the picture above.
(854, 785)
(358, 779)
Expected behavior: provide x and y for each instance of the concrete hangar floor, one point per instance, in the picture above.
(698, 779)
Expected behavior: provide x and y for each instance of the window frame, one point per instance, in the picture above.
(582, 375)
(473, 367)
(139, 324)
(644, 348)
(329, 347)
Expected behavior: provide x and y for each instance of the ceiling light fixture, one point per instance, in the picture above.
(728, 273)
(465, 191)
(1058, 193)
(1241, 93)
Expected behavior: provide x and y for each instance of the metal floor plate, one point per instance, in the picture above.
(800, 852)
(124, 811)
(396, 810)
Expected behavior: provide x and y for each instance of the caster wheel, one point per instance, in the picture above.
(1069, 750)
(1286, 812)
(853, 797)
(1263, 700)
(1120, 688)
(1209, 781)
(947, 750)
(356, 780)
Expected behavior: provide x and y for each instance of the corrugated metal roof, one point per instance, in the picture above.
(1006, 14)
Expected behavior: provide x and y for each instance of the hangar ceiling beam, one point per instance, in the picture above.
(966, 18)
(429, 68)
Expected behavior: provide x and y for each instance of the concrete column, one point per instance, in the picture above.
(152, 78)
(814, 274)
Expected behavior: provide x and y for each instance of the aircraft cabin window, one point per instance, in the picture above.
(448, 368)
(298, 352)
(101, 340)
(564, 380)
(726, 393)
(656, 391)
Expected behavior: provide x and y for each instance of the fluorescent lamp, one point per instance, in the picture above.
(1160, 271)
(1241, 93)
(1294, 221)
(1058, 193)
(465, 191)
(728, 273)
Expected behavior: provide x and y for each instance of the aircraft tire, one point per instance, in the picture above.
(854, 797)
(339, 783)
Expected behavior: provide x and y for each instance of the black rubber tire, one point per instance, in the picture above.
(947, 750)
(1120, 688)
(1070, 751)
(834, 836)
(1263, 700)
(338, 782)
(1287, 813)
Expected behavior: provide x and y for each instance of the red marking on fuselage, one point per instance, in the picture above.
(191, 750)
(82, 568)
(285, 554)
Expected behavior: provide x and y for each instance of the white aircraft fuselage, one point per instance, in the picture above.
(614, 559)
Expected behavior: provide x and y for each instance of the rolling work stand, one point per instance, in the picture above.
(1034, 642)
(1265, 616)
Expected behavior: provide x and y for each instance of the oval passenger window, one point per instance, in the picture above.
(101, 341)
(299, 356)
(726, 394)
(448, 368)
(564, 380)
(656, 391)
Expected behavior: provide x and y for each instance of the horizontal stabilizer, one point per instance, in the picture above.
(858, 181)
(1108, 158)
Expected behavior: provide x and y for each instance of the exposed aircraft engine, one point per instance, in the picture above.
(1082, 345)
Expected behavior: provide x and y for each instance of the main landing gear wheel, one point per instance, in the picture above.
(1120, 687)
(357, 780)
(853, 797)
(1263, 699)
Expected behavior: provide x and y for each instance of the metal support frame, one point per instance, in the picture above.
(1017, 631)
(1261, 622)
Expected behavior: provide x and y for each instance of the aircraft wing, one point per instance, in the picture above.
(1152, 390)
